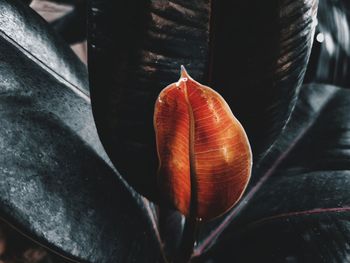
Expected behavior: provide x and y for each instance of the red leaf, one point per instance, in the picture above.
(204, 153)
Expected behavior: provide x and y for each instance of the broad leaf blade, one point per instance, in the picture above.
(204, 153)
(303, 238)
(56, 184)
(259, 54)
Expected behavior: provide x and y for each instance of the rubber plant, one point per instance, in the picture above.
(59, 188)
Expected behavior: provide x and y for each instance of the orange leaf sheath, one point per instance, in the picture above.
(204, 153)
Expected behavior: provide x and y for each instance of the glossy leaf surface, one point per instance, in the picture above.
(19, 24)
(204, 153)
(136, 48)
(56, 184)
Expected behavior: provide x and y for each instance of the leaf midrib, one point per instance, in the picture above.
(191, 134)
(80, 92)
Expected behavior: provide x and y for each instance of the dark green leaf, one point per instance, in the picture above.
(56, 183)
(26, 29)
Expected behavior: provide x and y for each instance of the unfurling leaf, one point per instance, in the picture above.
(204, 153)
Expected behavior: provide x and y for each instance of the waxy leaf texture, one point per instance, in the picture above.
(204, 153)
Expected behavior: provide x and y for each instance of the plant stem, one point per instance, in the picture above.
(188, 240)
(171, 225)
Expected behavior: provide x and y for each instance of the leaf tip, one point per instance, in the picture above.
(184, 73)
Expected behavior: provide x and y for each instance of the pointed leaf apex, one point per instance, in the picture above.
(184, 73)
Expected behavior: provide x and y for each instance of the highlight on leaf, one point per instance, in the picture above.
(204, 154)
